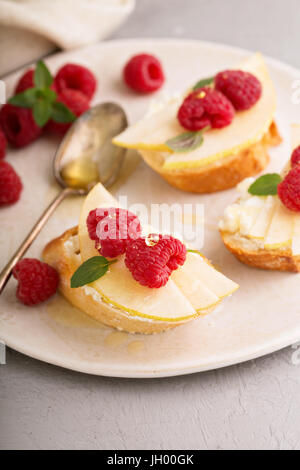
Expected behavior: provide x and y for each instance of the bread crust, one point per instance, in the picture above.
(223, 174)
(275, 260)
(56, 255)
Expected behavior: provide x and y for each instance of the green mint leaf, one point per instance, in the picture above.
(204, 82)
(28, 98)
(25, 99)
(42, 110)
(42, 76)
(265, 185)
(62, 114)
(185, 142)
(90, 271)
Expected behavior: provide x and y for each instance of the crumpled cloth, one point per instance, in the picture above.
(29, 27)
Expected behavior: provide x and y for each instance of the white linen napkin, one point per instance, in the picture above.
(30, 28)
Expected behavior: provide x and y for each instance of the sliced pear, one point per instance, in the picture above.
(119, 288)
(280, 231)
(150, 133)
(215, 281)
(188, 280)
(260, 227)
(195, 287)
(96, 198)
(247, 128)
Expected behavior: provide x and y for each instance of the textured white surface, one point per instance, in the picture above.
(250, 406)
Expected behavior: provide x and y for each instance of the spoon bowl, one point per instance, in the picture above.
(86, 155)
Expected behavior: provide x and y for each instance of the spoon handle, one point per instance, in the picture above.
(6, 273)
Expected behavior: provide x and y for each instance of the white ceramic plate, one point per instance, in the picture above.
(262, 317)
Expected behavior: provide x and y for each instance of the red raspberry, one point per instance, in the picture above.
(295, 158)
(76, 77)
(151, 260)
(76, 102)
(18, 125)
(25, 82)
(10, 184)
(112, 229)
(205, 107)
(2, 144)
(144, 73)
(289, 190)
(242, 88)
(37, 281)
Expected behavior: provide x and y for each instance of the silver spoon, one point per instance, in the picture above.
(85, 157)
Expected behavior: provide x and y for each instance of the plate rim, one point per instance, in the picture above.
(163, 371)
(191, 367)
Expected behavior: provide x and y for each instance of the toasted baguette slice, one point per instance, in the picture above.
(64, 255)
(250, 253)
(222, 174)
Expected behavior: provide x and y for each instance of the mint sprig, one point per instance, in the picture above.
(266, 185)
(42, 111)
(91, 270)
(26, 99)
(43, 100)
(203, 82)
(62, 114)
(42, 76)
(187, 141)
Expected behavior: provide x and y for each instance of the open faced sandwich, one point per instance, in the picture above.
(262, 228)
(214, 135)
(129, 278)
